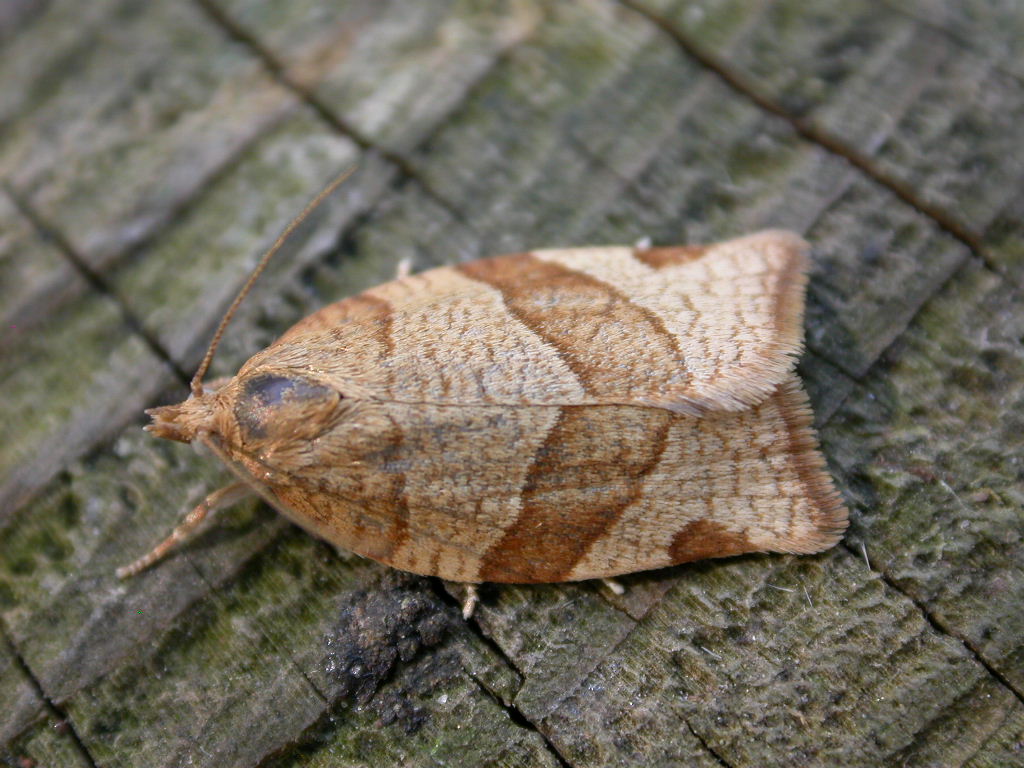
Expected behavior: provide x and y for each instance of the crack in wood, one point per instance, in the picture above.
(718, 758)
(807, 130)
(474, 626)
(37, 306)
(279, 71)
(96, 281)
(56, 712)
(516, 716)
(938, 625)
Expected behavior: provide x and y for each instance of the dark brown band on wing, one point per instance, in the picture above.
(706, 538)
(656, 258)
(590, 468)
(392, 493)
(608, 342)
(829, 516)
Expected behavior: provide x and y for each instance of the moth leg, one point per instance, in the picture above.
(223, 497)
(470, 601)
(404, 268)
(615, 587)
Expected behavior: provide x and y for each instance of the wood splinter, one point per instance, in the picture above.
(557, 415)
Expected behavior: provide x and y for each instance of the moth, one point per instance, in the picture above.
(558, 415)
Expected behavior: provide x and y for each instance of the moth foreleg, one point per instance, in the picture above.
(223, 497)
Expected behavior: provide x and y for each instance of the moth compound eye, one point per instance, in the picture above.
(269, 390)
(271, 406)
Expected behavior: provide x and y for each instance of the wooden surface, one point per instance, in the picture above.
(149, 149)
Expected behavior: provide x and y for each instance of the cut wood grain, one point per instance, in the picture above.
(166, 143)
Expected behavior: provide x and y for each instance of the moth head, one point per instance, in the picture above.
(253, 411)
(182, 422)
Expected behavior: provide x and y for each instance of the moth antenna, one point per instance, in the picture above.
(197, 381)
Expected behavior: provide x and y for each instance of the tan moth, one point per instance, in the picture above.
(549, 416)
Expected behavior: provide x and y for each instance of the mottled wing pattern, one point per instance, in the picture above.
(688, 329)
(544, 494)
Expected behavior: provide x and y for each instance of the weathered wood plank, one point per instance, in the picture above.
(115, 115)
(71, 378)
(390, 72)
(994, 29)
(911, 90)
(931, 445)
(257, 645)
(22, 703)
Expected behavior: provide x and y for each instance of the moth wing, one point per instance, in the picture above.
(564, 494)
(689, 329)
(723, 323)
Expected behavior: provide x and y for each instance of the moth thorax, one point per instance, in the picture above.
(275, 407)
